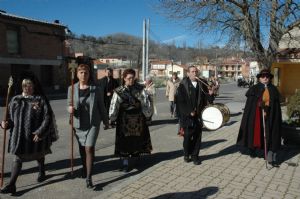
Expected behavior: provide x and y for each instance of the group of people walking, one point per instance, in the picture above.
(129, 106)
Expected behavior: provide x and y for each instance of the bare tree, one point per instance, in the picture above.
(257, 24)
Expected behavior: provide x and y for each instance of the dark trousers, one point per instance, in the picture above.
(192, 141)
(172, 108)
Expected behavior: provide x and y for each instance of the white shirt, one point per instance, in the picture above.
(194, 83)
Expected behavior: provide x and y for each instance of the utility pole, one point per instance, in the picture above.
(145, 59)
(147, 47)
(144, 52)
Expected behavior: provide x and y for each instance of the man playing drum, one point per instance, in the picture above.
(192, 97)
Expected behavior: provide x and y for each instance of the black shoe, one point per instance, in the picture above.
(89, 183)
(196, 161)
(8, 189)
(252, 153)
(41, 177)
(83, 173)
(186, 159)
(275, 164)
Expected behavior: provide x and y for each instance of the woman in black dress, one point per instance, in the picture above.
(32, 130)
(130, 107)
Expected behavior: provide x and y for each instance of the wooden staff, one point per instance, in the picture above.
(72, 67)
(10, 83)
(265, 137)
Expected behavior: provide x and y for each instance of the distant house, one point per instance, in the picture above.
(179, 69)
(234, 68)
(32, 45)
(158, 67)
(286, 68)
(117, 62)
(207, 70)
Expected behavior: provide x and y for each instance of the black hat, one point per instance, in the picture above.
(264, 72)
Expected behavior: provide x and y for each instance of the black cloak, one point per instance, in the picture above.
(273, 118)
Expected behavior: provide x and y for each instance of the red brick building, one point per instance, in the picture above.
(32, 45)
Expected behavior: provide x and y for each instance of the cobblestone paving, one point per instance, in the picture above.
(224, 173)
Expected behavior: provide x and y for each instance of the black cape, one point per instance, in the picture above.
(273, 119)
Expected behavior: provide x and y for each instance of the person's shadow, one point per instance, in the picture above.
(286, 153)
(202, 193)
(140, 164)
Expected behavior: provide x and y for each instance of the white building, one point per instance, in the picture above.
(116, 61)
(179, 69)
(254, 69)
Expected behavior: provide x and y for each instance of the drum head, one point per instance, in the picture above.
(212, 118)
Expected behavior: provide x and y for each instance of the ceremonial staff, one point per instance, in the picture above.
(265, 138)
(10, 83)
(72, 67)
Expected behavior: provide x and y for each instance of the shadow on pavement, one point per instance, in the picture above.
(140, 164)
(235, 114)
(226, 151)
(286, 153)
(230, 123)
(106, 164)
(160, 122)
(38, 185)
(224, 97)
(202, 193)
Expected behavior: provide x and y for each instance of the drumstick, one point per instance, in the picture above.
(208, 121)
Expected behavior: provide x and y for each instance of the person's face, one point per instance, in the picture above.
(83, 75)
(264, 79)
(174, 76)
(109, 73)
(193, 73)
(28, 89)
(129, 79)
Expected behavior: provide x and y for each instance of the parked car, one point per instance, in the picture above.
(243, 83)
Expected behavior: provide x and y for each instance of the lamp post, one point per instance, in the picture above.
(172, 66)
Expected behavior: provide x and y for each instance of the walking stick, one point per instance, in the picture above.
(10, 83)
(72, 67)
(265, 139)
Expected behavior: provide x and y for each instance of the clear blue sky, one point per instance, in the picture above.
(104, 17)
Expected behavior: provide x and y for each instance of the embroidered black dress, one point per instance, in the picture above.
(130, 108)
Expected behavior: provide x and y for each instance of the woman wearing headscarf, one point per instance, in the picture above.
(130, 107)
(32, 129)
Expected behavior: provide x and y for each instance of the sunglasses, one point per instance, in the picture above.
(265, 75)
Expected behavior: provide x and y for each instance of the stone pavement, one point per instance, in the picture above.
(224, 173)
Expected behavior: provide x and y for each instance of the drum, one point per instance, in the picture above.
(215, 115)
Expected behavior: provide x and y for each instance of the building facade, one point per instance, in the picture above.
(286, 68)
(32, 45)
(234, 68)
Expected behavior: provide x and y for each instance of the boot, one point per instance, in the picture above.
(8, 189)
(89, 183)
(41, 166)
(196, 160)
(15, 171)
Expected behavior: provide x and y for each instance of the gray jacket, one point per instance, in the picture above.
(97, 108)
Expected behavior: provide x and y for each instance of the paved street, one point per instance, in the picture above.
(224, 172)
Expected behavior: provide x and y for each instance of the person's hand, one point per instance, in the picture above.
(211, 91)
(193, 113)
(36, 138)
(4, 124)
(71, 109)
(108, 94)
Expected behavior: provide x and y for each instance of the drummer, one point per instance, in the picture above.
(192, 97)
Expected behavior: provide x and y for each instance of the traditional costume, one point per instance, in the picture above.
(251, 133)
(130, 106)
